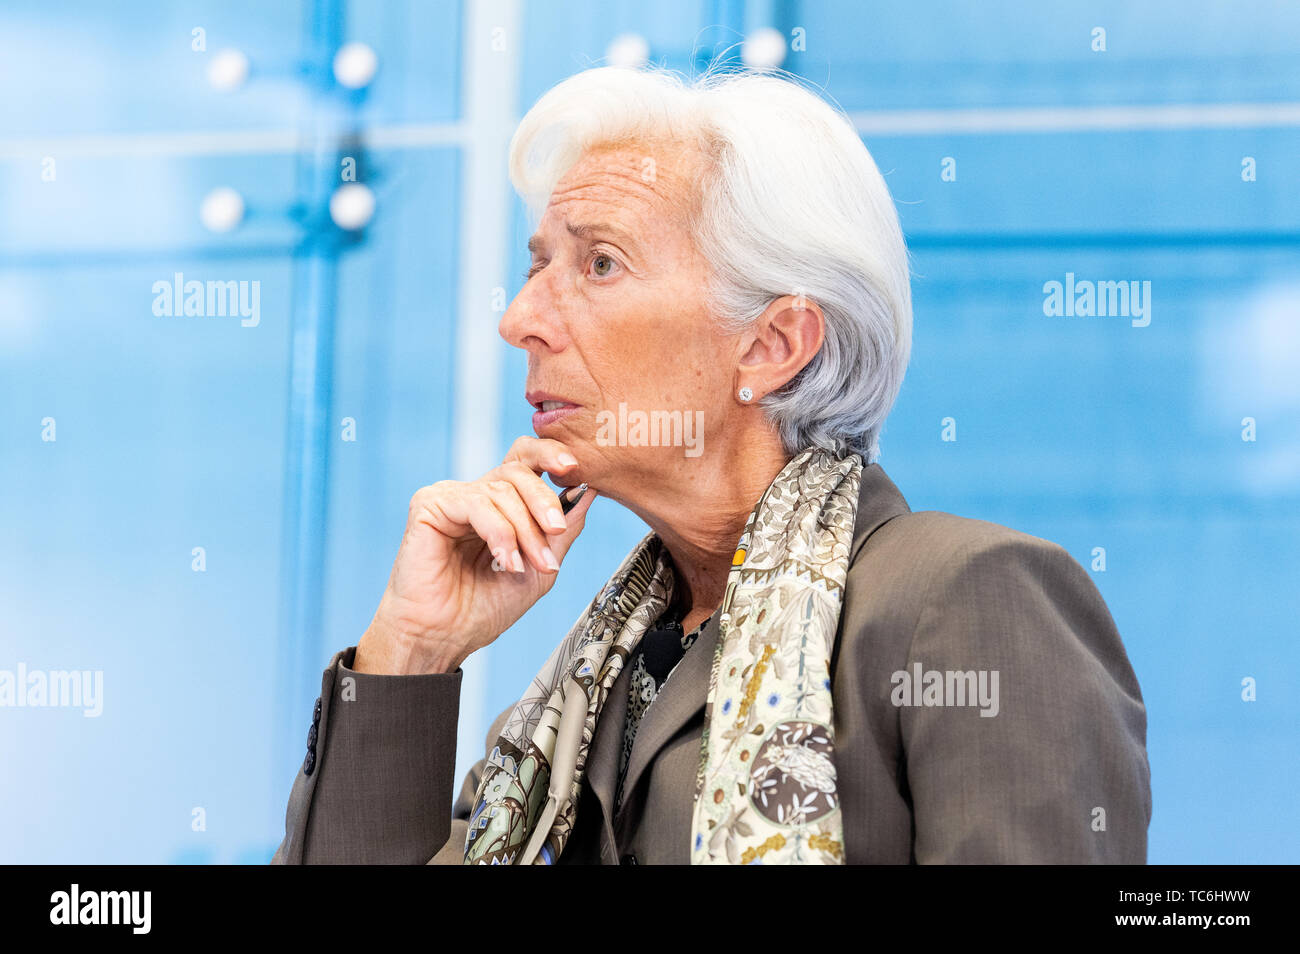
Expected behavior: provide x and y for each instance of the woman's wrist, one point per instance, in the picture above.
(388, 650)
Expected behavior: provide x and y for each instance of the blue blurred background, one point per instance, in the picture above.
(1020, 145)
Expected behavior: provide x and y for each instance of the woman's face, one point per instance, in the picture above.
(614, 322)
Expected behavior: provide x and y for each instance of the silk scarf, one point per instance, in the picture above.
(765, 787)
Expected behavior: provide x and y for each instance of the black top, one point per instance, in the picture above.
(652, 662)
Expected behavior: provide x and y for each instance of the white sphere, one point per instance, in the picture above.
(628, 50)
(763, 49)
(228, 70)
(352, 206)
(222, 209)
(355, 65)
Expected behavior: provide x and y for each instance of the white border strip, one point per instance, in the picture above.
(239, 142)
(1057, 119)
(491, 84)
(154, 145)
(918, 122)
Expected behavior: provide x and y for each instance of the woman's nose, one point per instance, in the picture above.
(531, 320)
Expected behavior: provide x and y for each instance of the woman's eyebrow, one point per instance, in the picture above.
(586, 231)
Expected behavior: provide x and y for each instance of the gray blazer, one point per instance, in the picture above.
(1058, 774)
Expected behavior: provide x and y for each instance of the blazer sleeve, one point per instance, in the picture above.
(1053, 767)
(378, 787)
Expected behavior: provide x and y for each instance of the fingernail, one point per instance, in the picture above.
(556, 519)
(568, 460)
(549, 558)
(517, 561)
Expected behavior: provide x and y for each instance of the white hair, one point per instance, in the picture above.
(791, 204)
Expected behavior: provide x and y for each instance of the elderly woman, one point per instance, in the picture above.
(792, 667)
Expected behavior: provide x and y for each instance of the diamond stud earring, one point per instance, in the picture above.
(746, 394)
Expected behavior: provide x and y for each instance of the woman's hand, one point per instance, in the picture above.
(446, 596)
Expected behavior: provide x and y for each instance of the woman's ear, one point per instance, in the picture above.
(783, 340)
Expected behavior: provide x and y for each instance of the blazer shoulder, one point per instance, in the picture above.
(887, 530)
(980, 584)
(924, 552)
(936, 538)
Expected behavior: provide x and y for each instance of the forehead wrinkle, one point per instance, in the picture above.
(617, 196)
(611, 177)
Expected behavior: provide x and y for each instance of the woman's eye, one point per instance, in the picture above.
(601, 263)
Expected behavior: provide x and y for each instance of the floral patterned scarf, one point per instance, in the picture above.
(765, 789)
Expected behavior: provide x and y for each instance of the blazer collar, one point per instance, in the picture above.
(685, 692)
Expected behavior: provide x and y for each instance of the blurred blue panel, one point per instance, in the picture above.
(169, 434)
(1062, 186)
(395, 347)
(938, 54)
(419, 43)
(109, 209)
(101, 68)
(564, 38)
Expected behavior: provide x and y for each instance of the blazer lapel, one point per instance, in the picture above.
(679, 700)
(683, 696)
(606, 747)
(669, 712)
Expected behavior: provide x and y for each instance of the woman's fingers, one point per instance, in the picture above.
(471, 506)
(542, 455)
(512, 509)
(542, 502)
(509, 499)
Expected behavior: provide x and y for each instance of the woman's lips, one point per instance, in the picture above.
(545, 418)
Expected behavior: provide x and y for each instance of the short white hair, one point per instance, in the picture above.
(792, 204)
